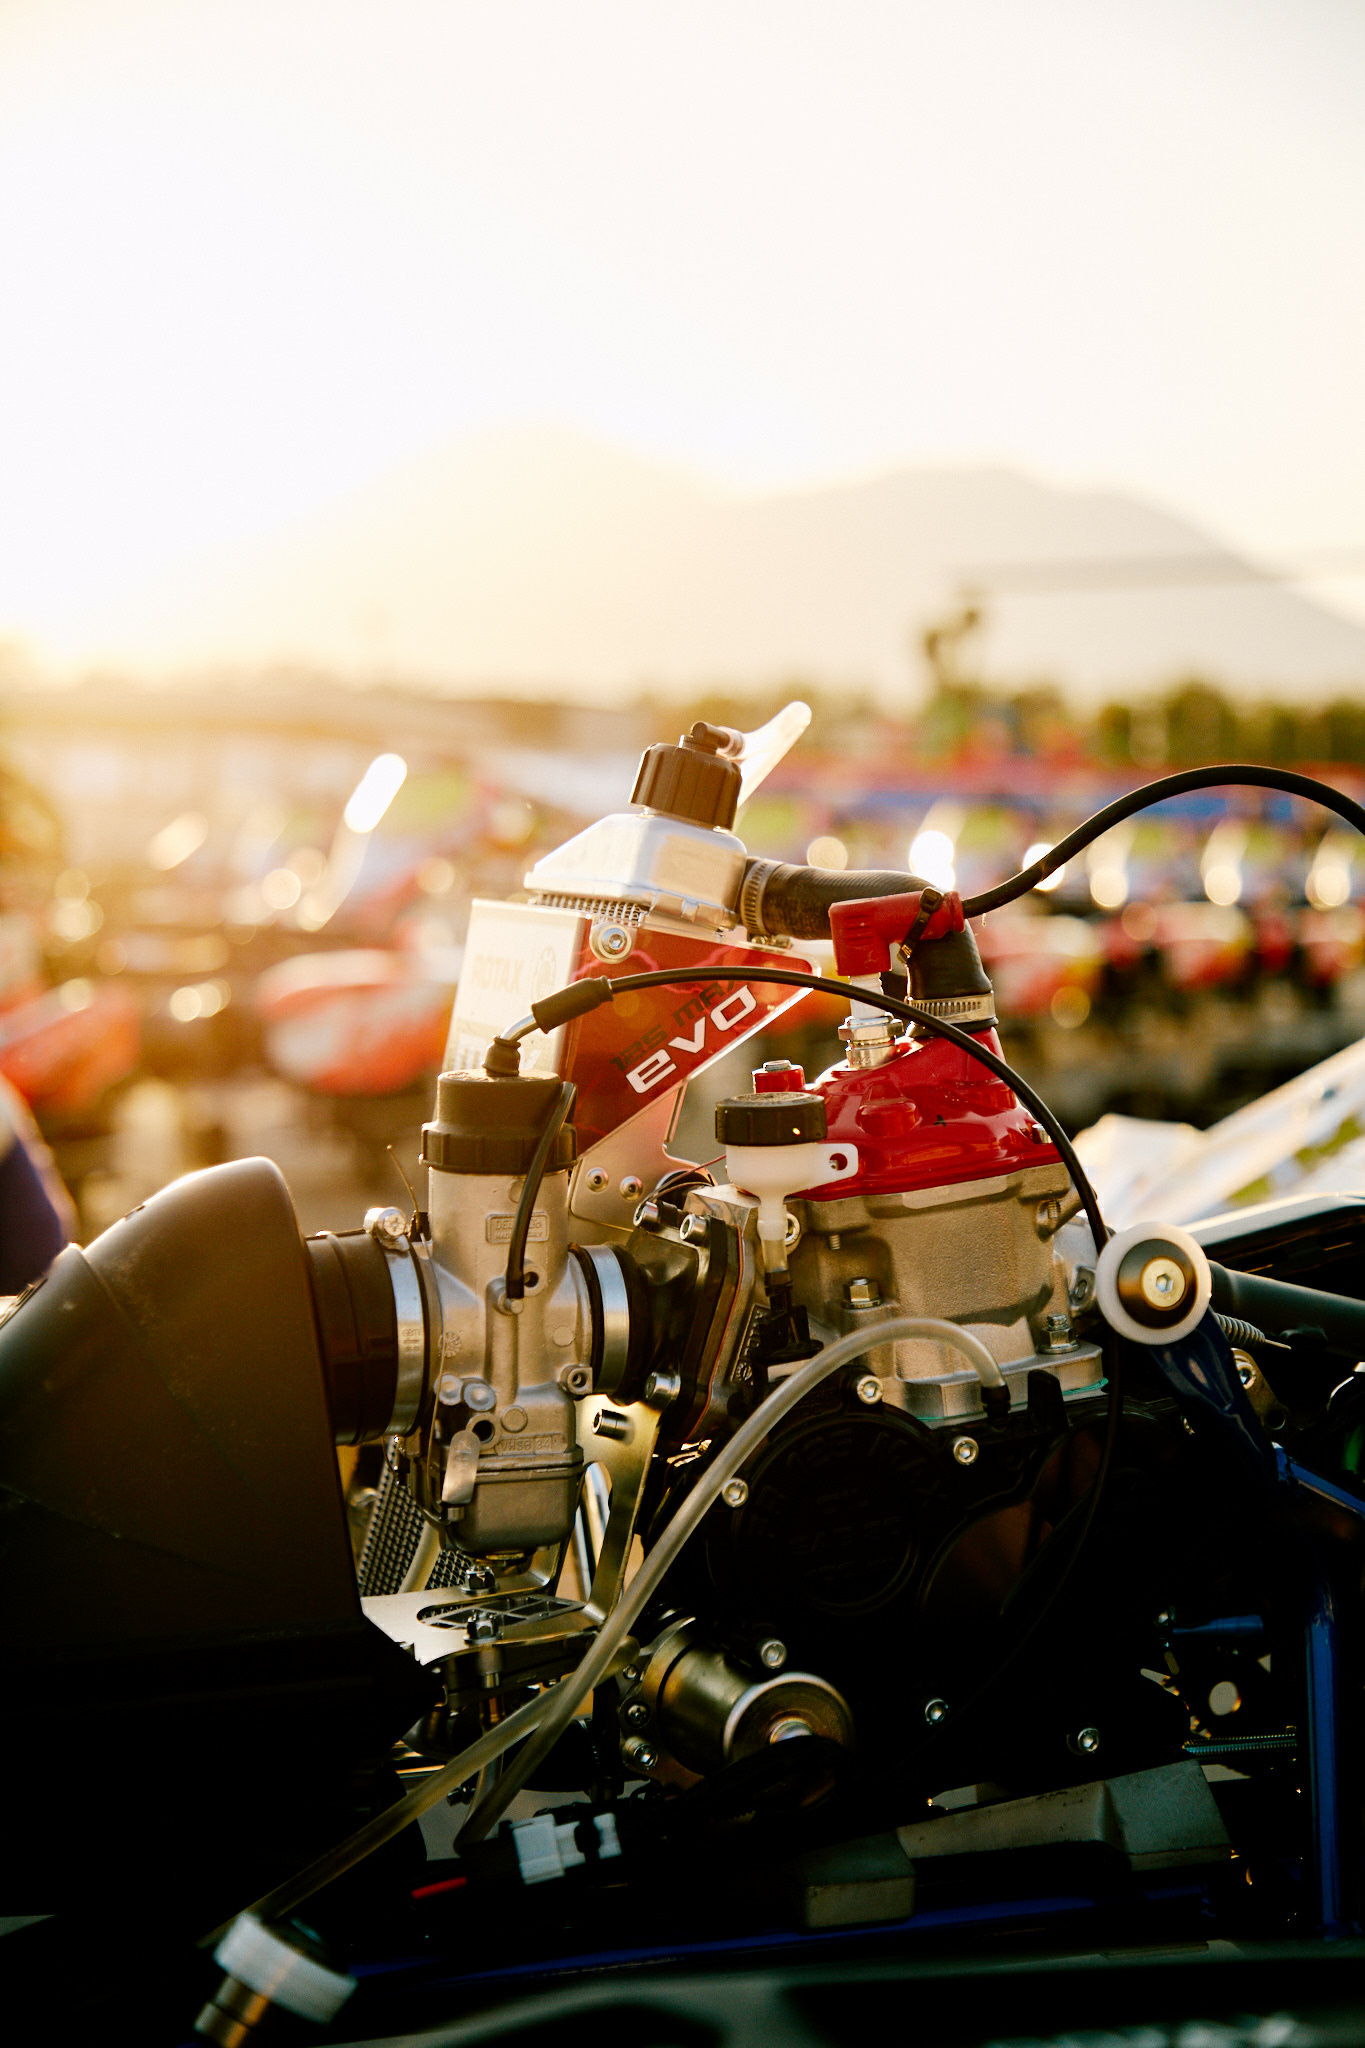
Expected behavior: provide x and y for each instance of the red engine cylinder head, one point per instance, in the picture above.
(928, 1117)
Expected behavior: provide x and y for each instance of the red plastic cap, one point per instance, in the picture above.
(778, 1077)
(869, 930)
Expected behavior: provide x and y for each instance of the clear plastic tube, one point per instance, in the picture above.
(569, 1695)
(546, 1717)
(289, 1896)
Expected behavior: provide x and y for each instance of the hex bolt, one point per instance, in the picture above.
(862, 1293)
(870, 1390)
(610, 941)
(935, 1711)
(641, 1754)
(483, 1628)
(735, 1492)
(966, 1450)
(632, 1187)
(597, 1179)
(1162, 1283)
(637, 1715)
(772, 1654)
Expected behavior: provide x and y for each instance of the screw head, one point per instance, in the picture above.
(1162, 1283)
(1086, 1741)
(870, 1390)
(637, 1715)
(647, 1216)
(692, 1227)
(632, 1187)
(935, 1711)
(735, 1492)
(610, 941)
(1246, 1372)
(390, 1226)
(966, 1450)
(642, 1754)
(632, 1674)
(662, 1387)
(597, 1178)
(772, 1654)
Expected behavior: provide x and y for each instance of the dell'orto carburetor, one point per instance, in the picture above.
(752, 1502)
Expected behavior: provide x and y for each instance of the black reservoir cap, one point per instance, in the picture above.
(493, 1125)
(793, 1118)
(694, 780)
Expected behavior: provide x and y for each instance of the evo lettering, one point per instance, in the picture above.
(724, 1016)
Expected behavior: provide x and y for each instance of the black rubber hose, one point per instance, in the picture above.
(1226, 773)
(938, 1027)
(794, 901)
(1275, 1305)
(515, 1277)
(779, 899)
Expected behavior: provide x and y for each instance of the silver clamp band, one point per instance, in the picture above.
(615, 1329)
(961, 1010)
(409, 1310)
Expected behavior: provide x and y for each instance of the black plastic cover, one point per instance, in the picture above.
(492, 1124)
(789, 1118)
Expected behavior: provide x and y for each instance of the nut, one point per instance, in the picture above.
(862, 1293)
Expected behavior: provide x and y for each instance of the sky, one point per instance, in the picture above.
(255, 252)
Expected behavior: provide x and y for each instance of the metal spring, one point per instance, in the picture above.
(1238, 1332)
(1242, 1745)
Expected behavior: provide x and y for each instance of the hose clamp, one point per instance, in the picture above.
(411, 1329)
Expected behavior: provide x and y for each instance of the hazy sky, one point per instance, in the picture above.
(253, 251)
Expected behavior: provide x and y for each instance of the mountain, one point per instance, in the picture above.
(538, 559)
